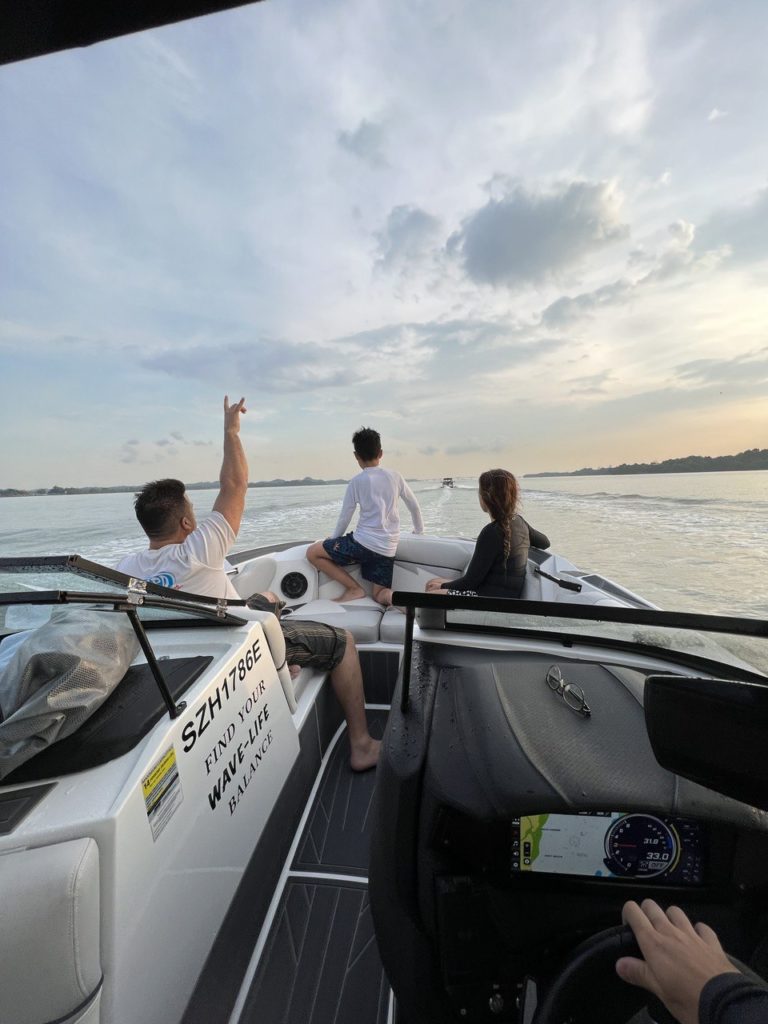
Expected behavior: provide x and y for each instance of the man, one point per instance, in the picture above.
(188, 556)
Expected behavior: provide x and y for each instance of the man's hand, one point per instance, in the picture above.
(680, 958)
(233, 476)
(232, 415)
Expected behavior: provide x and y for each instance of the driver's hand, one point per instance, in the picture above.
(679, 958)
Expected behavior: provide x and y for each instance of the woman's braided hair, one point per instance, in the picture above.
(499, 491)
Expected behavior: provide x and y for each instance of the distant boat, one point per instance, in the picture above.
(447, 481)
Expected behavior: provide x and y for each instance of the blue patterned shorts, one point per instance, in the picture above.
(374, 567)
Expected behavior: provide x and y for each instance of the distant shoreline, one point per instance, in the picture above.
(753, 458)
(210, 485)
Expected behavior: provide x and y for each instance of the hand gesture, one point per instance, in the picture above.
(680, 958)
(232, 415)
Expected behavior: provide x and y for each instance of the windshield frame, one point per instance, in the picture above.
(433, 608)
(213, 611)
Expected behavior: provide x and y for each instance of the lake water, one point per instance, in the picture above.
(689, 541)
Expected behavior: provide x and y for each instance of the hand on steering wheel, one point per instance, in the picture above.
(679, 958)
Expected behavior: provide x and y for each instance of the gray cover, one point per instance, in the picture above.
(58, 677)
(503, 743)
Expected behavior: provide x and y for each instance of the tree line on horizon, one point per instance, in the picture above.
(752, 458)
(205, 485)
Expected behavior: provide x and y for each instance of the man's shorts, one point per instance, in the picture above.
(313, 643)
(375, 568)
(306, 643)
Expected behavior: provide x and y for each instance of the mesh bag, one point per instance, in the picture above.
(58, 677)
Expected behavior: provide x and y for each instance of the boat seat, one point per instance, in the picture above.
(50, 958)
(361, 617)
(446, 553)
(392, 628)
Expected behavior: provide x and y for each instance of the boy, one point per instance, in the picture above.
(374, 542)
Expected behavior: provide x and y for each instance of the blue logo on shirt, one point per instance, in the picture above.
(163, 579)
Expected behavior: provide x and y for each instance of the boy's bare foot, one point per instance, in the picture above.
(365, 755)
(295, 670)
(350, 594)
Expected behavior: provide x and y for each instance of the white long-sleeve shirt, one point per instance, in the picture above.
(376, 491)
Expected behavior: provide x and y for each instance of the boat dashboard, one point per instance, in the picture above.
(520, 805)
(599, 846)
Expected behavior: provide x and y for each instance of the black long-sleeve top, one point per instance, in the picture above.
(733, 999)
(487, 574)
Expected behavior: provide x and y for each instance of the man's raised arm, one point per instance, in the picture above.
(233, 478)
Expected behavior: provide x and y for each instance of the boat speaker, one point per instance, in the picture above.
(294, 585)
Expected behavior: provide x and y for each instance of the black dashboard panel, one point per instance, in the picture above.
(610, 845)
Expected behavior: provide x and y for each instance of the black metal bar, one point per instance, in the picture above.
(565, 584)
(174, 709)
(208, 614)
(410, 615)
(603, 613)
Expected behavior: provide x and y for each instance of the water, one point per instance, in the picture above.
(689, 541)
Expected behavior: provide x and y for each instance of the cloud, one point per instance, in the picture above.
(179, 438)
(678, 259)
(682, 232)
(592, 384)
(716, 115)
(744, 228)
(163, 442)
(407, 237)
(386, 355)
(748, 368)
(429, 450)
(568, 309)
(477, 444)
(528, 237)
(366, 143)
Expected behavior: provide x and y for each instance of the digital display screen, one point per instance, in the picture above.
(610, 844)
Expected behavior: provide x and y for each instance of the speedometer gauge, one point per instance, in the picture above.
(641, 846)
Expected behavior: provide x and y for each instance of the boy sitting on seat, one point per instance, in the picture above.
(373, 543)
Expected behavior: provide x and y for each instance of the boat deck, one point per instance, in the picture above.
(319, 963)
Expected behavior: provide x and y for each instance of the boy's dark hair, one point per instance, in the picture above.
(159, 507)
(367, 443)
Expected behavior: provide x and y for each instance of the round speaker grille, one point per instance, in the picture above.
(294, 585)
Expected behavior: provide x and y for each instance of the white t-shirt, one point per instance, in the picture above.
(376, 490)
(198, 565)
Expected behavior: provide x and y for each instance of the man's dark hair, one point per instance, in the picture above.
(367, 443)
(159, 507)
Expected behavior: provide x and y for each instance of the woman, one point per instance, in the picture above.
(497, 568)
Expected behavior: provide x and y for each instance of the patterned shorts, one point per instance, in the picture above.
(313, 643)
(306, 642)
(374, 567)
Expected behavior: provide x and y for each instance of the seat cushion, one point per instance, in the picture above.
(392, 628)
(360, 617)
(50, 960)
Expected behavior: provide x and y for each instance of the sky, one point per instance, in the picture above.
(519, 233)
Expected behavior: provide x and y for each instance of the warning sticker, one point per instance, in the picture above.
(162, 792)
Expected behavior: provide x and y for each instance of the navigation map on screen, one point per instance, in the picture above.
(609, 844)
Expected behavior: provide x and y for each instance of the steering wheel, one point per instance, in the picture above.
(588, 987)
